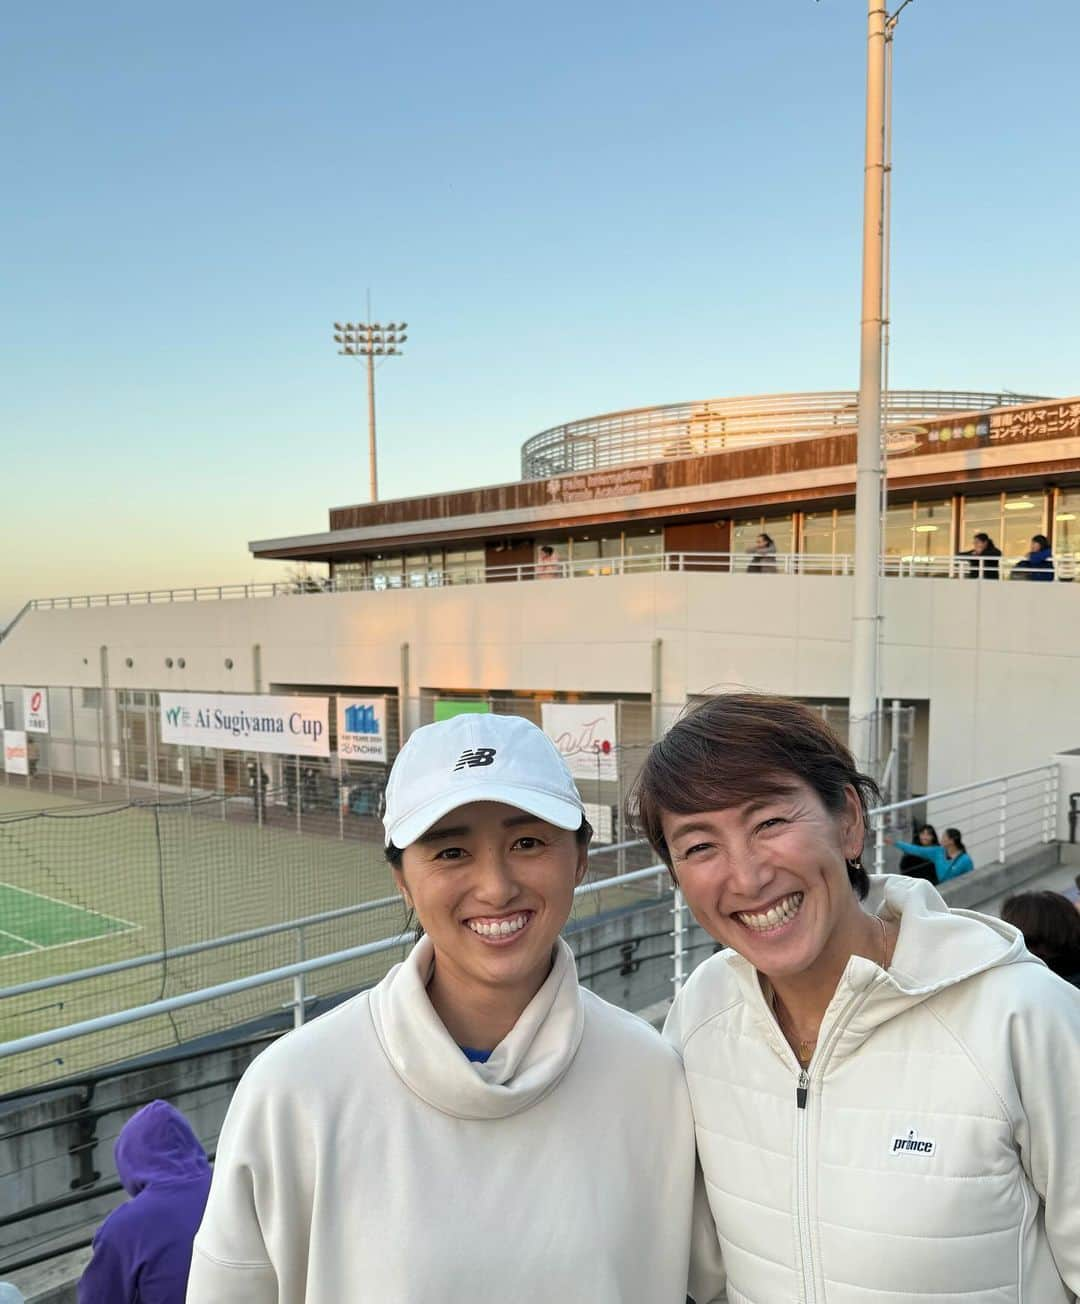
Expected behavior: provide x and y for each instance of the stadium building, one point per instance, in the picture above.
(619, 569)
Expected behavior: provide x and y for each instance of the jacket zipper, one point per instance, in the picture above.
(802, 1092)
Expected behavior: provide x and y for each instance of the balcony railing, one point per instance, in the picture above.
(1062, 569)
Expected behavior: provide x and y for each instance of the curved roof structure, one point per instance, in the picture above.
(690, 429)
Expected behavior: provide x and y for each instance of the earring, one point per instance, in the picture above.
(855, 864)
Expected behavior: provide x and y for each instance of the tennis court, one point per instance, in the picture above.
(30, 921)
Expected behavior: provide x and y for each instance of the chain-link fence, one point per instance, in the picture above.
(156, 868)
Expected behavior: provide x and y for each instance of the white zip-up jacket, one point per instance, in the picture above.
(364, 1158)
(931, 1153)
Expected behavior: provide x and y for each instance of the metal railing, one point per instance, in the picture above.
(961, 566)
(1000, 819)
(690, 429)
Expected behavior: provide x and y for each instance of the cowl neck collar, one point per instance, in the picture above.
(528, 1063)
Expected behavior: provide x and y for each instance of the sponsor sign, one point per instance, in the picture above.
(285, 726)
(16, 755)
(600, 484)
(584, 733)
(36, 710)
(361, 728)
(600, 819)
(447, 707)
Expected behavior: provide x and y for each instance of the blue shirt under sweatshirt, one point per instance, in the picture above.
(943, 866)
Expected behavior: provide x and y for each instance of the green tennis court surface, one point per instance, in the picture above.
(32, 922)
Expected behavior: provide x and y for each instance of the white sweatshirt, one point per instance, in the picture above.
(931, 1153)
(364, 1158)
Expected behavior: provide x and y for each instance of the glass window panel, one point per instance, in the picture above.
(1066, 536)
(644, 545)
(898, 541)
(818, 533)
(982, 514)
(585, 549)
(845, 533)
(1023, 515)
(611, 546)
(933, 529)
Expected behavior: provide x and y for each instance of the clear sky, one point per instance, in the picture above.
(578, 207)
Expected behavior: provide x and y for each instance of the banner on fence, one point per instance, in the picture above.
(448, 707)
(285, 726)
(584, 733)
(16, 753)
(600, 817)
(36, 710)
(361, 728)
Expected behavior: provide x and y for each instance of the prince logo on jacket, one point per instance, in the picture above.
(913, 1144)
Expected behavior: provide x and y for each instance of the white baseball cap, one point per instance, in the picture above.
(477, 758)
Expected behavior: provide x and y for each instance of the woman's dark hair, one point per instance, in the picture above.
(767, 538)
(1051, 927)
(1041, 540)
(394, 856)
(956, 836)
(738, 746)
(920, 829)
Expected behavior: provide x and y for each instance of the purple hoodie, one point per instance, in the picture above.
(142, 1251)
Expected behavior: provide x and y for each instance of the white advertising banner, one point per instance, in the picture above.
(600, 817)
(285, 726)
(584, 733)
(36, 710)
(361, 728)
(16, 756)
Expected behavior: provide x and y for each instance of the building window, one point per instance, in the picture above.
(91, 699)
(916, 532)
(465, 566)
(1009, 519)
(829, 535)
(745, 531)
(1066, 537)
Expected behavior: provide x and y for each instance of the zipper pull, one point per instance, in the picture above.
(802, 1090)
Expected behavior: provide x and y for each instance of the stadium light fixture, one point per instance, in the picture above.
(370, 340)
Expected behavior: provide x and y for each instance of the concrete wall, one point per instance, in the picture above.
(996, 662)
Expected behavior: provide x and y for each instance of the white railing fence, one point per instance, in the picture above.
(961, 566)
(1000, 819)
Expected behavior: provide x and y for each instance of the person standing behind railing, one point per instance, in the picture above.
(764, 555)
(920, 866)
(949, 860)
(1038, 564)
(548, 566)
(983, 553)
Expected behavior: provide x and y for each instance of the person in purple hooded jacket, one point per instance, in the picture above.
(142, 1251)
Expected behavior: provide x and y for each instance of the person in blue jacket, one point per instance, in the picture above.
(949, 860)
(142, 1251)
(1038, 564)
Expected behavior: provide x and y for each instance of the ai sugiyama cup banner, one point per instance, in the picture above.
(242, 722)
(584, 733)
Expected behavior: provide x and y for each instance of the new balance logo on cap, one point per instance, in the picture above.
(913, 1144)
(475, 756)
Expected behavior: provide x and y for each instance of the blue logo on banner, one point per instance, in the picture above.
(361, 720)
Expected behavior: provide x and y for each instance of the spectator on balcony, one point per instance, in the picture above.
(1038, 564)
(949, 860)
(1051, 928)
(764, 555)
(548, 566)
(476, 1126)
(142, 1251)
(918, 866)
(885, 1093)
(984, 553)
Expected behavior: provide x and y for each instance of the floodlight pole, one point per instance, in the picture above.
(370, 340)
(868, 469)
(373, 465)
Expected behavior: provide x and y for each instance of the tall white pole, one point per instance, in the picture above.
(864, 630)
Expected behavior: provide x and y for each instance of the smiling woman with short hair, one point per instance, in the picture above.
(477, 1126)
(884, 1089)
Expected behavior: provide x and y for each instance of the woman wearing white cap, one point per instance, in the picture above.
(477, 1126)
